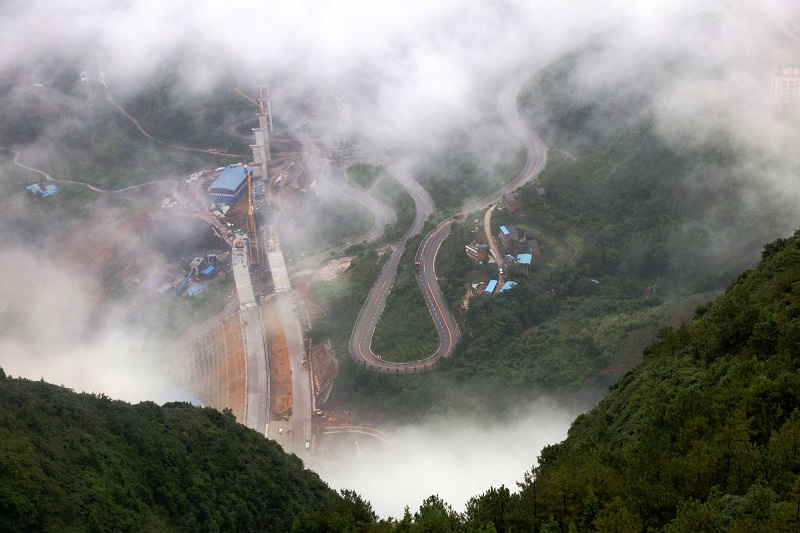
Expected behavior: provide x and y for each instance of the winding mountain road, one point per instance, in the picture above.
(361, 338)
(382, 214)
(447, 329)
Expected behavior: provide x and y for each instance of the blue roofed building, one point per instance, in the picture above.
(50, 190)
(508, 234)
(507, 285)
(524, 259)
(229, 187)
(37, 190)
(490, 286)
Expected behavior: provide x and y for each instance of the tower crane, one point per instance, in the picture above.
(263, 104)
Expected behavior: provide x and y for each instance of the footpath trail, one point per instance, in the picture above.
(48, 177)
(144, 132)
(156, 139)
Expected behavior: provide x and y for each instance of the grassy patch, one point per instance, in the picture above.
(320, 225)
(343, 297)
(389, 192)
(406, 331)
(364, 175)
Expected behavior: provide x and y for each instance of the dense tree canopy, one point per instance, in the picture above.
(78, 462)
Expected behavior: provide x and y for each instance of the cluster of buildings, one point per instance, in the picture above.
(37, 190)
(785, 91)
(515, 247)
(514, 241)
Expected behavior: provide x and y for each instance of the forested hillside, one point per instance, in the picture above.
(704, 435)
(79, 462)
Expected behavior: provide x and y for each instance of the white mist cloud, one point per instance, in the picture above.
(52, 327)
(423, 67)
(454, 458)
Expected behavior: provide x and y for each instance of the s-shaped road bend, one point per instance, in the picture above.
(361, 338)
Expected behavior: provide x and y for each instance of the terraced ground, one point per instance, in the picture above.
(216, 367)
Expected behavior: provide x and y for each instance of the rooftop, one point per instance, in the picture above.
(490, 286)
(231, 178)
(507, 285)
(525, 259)
(508, 230)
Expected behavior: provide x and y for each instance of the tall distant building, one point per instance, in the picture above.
(785, 95)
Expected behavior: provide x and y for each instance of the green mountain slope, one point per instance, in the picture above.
(77, 462)
(704, 435)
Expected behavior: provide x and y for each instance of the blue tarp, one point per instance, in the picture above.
(50, 190)
(179, 288)
(208, 270)
(194, 291)
(490, 286)
(504, 230)
(507, 285)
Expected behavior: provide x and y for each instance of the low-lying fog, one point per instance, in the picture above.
(454, 458)
(52, 327)
(418, 66)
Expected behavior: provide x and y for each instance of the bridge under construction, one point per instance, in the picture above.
(257, 403)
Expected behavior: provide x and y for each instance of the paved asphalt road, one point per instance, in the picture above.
(537, 152)
(382, 214)
(257, 408)
(302, 404)
(361, 338)
(445, 323)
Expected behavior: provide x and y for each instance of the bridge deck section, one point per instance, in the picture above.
(257, 406)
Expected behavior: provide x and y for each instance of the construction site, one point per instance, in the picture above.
(209, 247)
(256, 361)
